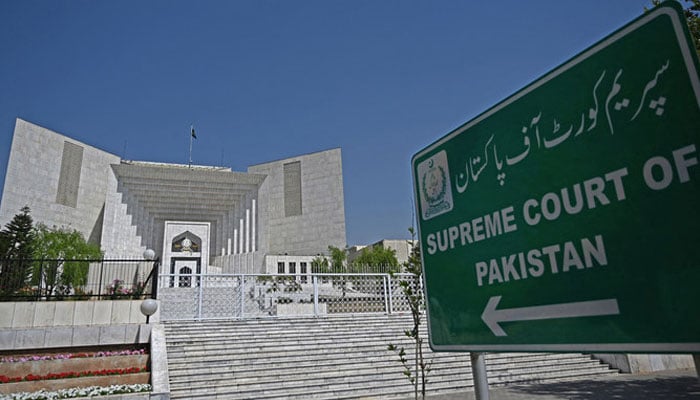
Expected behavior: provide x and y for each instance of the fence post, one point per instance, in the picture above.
(315, 281)
(41, 283)
(242, 277)
(386, 294)
(155, 275)
(201, 294)
(99, 288)
(391, 294)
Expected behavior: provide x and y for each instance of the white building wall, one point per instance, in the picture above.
(272, 264)
(322, 222)
(106, 213)
(32, 179)
(242, 263)
(120, 237)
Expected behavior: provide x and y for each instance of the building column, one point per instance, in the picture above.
(240, 229)
(254, 226)
(247, 230)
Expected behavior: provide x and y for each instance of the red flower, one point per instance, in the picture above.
(73, 374)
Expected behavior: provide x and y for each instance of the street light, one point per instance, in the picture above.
(148, 308)
(149, 254)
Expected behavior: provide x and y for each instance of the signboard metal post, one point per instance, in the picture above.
(481, 383)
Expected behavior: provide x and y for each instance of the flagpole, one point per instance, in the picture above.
(191, 137)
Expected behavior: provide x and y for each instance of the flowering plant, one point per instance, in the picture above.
(81, 392)
(116, 289)
(72, 374)
(66, 356)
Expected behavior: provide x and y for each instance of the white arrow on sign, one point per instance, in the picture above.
(493, 317)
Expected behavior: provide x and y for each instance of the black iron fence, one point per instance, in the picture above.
(37, 280)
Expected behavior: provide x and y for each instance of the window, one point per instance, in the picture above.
(280, 267)
(292, 268)
(302, 266)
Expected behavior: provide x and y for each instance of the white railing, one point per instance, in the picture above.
(237, 296)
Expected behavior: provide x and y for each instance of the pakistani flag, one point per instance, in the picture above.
(193, 134)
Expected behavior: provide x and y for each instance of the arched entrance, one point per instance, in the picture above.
(185, 252)
(184, 271)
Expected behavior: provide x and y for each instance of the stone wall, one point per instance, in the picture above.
(35, 326)
(122, 217)
(34, 168)
(29, 314)
(322, 219)
(647, 363)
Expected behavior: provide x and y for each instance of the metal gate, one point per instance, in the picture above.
(237, 296)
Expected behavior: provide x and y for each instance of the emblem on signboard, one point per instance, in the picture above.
(434, 185)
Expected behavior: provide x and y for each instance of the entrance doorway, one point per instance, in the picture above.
(185, 271)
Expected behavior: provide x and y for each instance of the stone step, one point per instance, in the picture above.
(245, 339)
(291, 355)
(389, 372)
(348, 387)
(344, 356)
(208, 334)
(384, 369)
(398, 391)
(262, 341)
(319, 378)
(374, 361)
(333, 358)
(309, 343)
(301, 363)
(273, 352)
(292, 325)
(377, 377)
(335, 320)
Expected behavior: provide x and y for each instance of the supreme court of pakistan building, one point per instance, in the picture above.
(198, 219)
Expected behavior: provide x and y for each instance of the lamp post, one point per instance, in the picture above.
(148, 308)
(149, 254)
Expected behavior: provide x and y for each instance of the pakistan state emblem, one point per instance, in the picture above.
(434, 185)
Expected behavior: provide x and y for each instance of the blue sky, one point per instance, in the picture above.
(263, 80)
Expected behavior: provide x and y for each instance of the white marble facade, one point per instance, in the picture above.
(292, 207)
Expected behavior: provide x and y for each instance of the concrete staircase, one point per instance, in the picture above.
(339, 357)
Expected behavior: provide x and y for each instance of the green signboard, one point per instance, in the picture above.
(567, 217)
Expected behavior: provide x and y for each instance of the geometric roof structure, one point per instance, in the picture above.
(171, 191)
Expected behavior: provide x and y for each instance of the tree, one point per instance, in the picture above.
(374, 259)
(692, 18)
(319, 265)
(413, 290)
(338, 257)
(62, 252)
(16, 247)
(334, 263)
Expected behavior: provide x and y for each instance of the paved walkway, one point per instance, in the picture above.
(662, 386)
